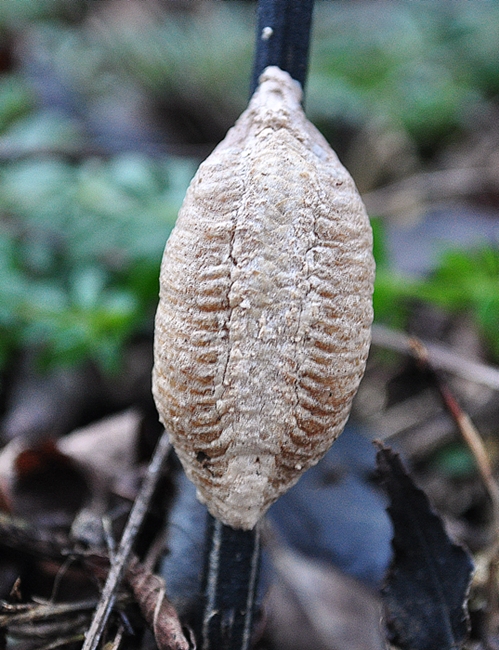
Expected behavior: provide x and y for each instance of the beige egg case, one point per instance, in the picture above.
(263, 324)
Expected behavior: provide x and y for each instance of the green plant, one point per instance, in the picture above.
(467, 281)
(418, 67)
(81, 246)
(425, 69)
(86, 236)
(463, 281)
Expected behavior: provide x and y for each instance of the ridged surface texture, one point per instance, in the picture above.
(263, 324)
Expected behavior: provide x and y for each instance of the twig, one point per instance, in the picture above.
(474, 442)
(469, 434)
(123, 553)
(439, 356)
(465, 426)
(22, 537)
(118, 638)
(283, 37)
(429, 187)
(68, 641)
(31, 613)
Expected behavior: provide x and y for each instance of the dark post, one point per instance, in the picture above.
(230, 581)
(230, 574)
(283, 37)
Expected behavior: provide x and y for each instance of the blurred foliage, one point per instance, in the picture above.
(96, 97)
(80, 250)
(464, 281)
(426, 69)
(454, 460)
(421, 67)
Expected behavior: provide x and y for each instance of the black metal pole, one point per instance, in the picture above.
(230, 585)
(283, 37)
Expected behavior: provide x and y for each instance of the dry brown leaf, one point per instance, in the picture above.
(161, 616)
(313, 606)
(7, 467)
(104, 449)
(41, 484)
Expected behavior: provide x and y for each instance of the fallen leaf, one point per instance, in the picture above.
(426, 590)
(161, 616)
(54, 479)
(48, 488)
(105, 449)
(313, 606)
(335, 513)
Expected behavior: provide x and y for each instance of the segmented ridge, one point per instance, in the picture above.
(193, 314)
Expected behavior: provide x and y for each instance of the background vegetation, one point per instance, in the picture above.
(107, 107)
